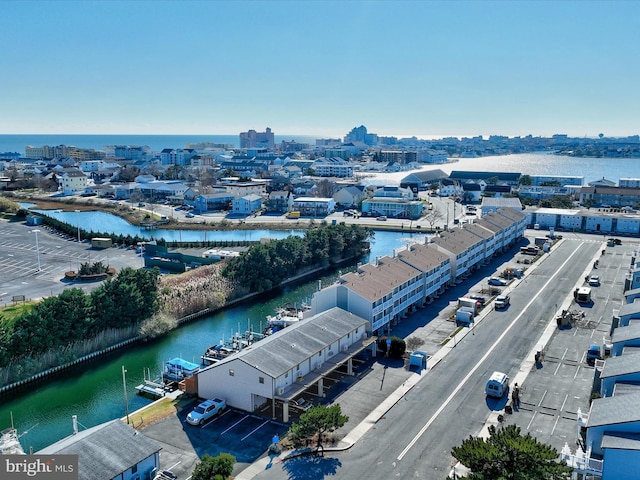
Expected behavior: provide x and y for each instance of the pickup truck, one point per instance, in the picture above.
(593, 353)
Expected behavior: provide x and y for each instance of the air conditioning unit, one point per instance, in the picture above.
(280, 391)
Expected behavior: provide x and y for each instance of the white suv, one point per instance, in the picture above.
(205, 411)
(502, 301)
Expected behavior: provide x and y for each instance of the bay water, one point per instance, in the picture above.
(95, 392)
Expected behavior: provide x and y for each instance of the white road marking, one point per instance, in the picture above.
(484, 357)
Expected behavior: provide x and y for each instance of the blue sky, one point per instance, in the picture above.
(423, 68)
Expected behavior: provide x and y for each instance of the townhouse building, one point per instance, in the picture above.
(381, 292)
(392, 287)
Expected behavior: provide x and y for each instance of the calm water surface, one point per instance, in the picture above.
(95, 393)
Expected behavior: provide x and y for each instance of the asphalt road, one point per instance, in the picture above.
(414, 438)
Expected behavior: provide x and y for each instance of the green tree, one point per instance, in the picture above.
(317, 421)
(214, 468)
(526, 180)
(507, 455)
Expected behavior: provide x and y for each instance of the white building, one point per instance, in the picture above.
(285, 364)
(333, 167)
(72, 181)
(388, 290)
(314, 206)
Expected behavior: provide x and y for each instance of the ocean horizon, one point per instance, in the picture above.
(18, 142)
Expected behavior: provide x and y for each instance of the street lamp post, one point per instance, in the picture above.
(78, 212)
(124, 387)
(36, 231)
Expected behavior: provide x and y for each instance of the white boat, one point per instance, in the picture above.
(10, 442)
(285, 317)
(177, 369)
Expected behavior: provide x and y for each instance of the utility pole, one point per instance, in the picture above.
(36, 231)
(124, 387)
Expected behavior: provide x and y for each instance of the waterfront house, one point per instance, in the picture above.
(382, 292)
(349, 196)
(110, 451)
(465, 251)
(279, 201)
(284, 365)
(610, 197)
(385, 292)
(393, 207)
(246, 205)
(314, 206)
(72, 181)
(211, 202)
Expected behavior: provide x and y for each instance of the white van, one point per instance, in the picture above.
(497, 385)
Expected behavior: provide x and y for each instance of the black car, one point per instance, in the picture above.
(478, 298)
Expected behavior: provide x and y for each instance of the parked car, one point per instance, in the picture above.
(497, 282)
(165, 475)
(593, 353)
(594, 280)
(382, 218)
(189, 215)
(478, 298)
(206, 410)
(302, 404)
(502, 301)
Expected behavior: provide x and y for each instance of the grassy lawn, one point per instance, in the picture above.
(11, 312)
(157, 411)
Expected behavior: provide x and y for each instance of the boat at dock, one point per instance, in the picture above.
(285, 317)
(239, 341)
(156, 387)
(10, 442)
(177, 369)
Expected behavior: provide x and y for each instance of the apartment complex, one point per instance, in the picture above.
(389, 289)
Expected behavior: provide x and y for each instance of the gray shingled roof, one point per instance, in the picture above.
(623, 334)
(106, 450)
(633, 291)
(282, 351)
(629, 309)
(614, 410)
(621, 365)
(621, 441)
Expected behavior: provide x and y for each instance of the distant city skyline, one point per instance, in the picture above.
(429, 69)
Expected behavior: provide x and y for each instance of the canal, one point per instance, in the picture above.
(95, 391)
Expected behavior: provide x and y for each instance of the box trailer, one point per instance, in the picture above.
(582, 295)
(98, 242)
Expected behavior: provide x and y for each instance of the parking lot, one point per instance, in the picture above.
(243, 435)
(34, 269)
(560, 385)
